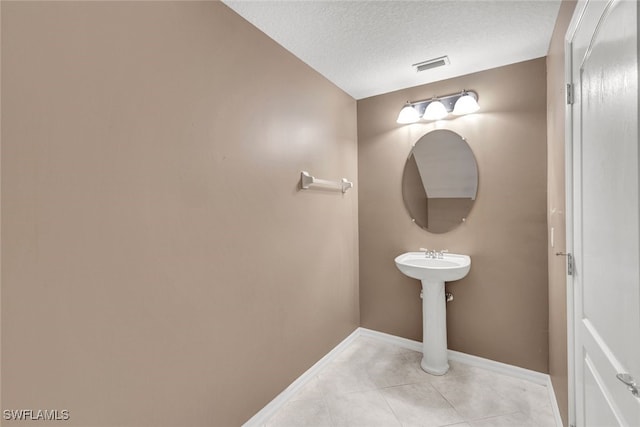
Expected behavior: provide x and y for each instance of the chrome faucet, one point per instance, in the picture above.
(429, 253)
(434, 254)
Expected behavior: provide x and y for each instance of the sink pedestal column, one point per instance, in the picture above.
(434, 328)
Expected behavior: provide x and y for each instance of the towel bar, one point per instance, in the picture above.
(307, 180)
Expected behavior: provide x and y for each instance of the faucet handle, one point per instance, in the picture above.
(429, 253)
(442, 252)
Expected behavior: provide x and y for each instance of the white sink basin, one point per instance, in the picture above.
(417, 266)
(433, 273)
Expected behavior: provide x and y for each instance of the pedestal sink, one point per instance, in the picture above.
(433, 272)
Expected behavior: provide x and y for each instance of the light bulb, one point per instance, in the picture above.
(466, 104)
(408, 114)
(435, 111)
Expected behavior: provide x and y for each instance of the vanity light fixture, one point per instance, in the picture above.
(437, 108)
(408, 114)
(466, 104)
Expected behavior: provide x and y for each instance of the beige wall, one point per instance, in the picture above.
(500, 308)
(160, 265)
(445, 214)
(556, 103)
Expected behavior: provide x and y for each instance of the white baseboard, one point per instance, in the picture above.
(499, 367)
(280, 400)
(554, 402)
(502, 368)
(391, 339)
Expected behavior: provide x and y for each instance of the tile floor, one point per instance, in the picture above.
(372, 383)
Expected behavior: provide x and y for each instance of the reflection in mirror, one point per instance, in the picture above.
(440, 181)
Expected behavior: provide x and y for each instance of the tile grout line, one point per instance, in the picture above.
(451, 404)
(389, 406)
(329, 411)
(469, 420)
(494, 416)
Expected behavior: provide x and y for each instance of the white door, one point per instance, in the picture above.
(603, 50)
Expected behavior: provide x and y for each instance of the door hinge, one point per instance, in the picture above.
(569, 94)
(570, 266)
(570, 263)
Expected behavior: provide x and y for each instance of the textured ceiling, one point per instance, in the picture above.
(367, 47)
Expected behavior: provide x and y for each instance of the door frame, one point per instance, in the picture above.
(569, 220)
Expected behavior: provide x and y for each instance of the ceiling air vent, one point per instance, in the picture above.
(431, 63)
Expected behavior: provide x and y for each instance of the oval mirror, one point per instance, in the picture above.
(440, 181)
